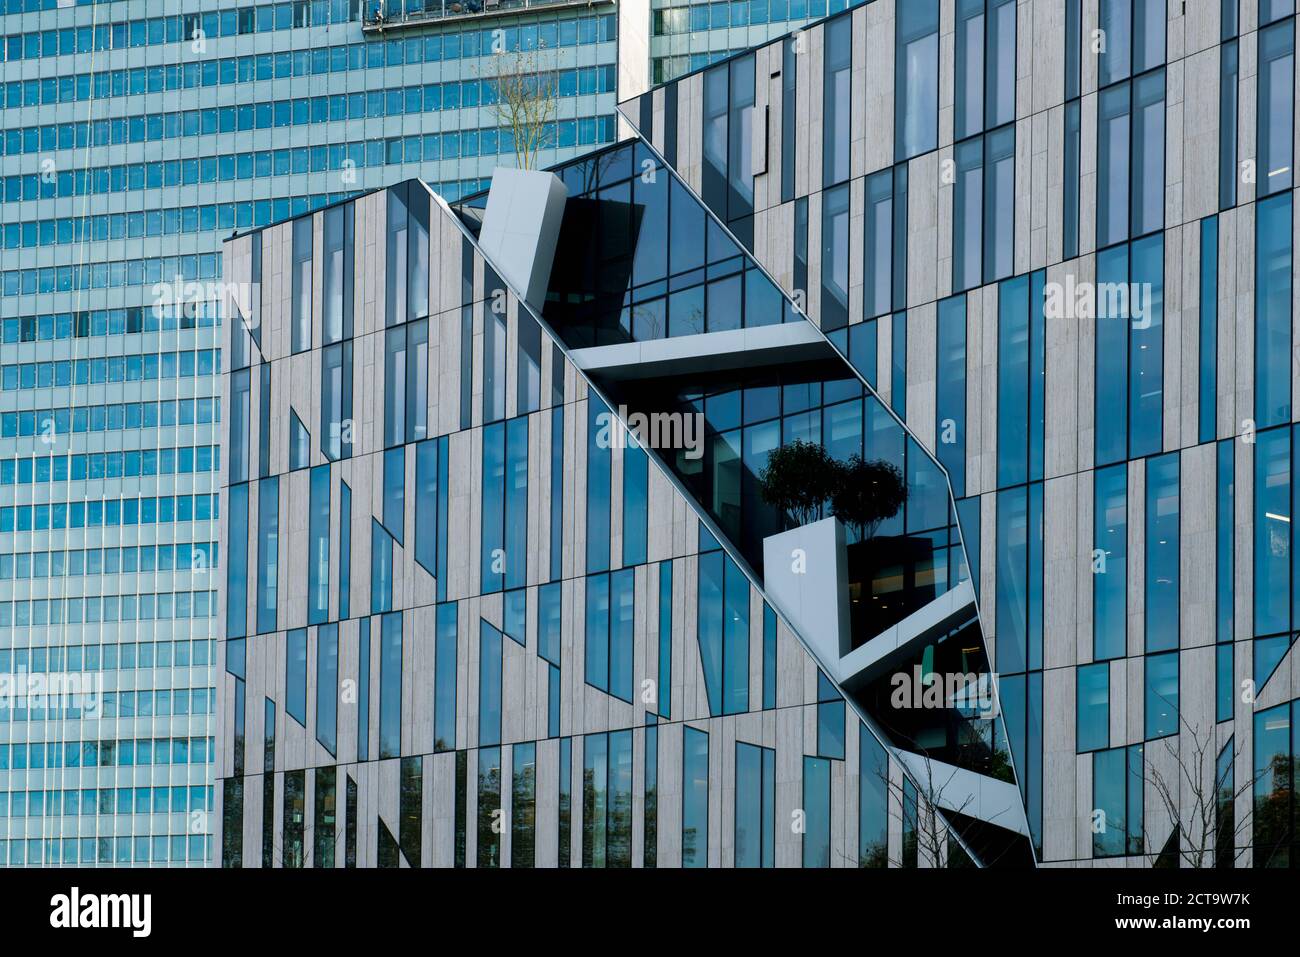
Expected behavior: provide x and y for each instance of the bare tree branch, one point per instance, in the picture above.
(526, 90)
(1191, 796)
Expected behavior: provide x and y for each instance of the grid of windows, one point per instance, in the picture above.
(123, 380)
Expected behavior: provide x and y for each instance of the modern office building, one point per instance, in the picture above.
(1057, 237)
(468, 621)
(136, 137)
(1047, 244)
(134, 141)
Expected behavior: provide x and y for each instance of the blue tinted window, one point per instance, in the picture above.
(1001, 81)
(549, 598)
(714, 179)
(878, 245)
(381, 569)
(1268, 654)
(1112, 347)
(1148, 198)
(1109, 562)
(950, 398)
(1117, 793)
(302, 264)
(1269, 10)
(695, 798)
(740, 140)
(873, 801)
(1162, 556)
(336, 402)
(1273, 531)
(1161, 695)
(1208, 315)
(237, 564)
(1116, 61)
(295, 675)
(916, 79)
(789, 115)
(755, 805)
(596, 657)
(609, 633)
(1276, 108)
(969, 101)
(488, 839)
(395, 374)
(723, 633)
(1013, 381)
(1275, 752)
(635, 492)
(515, 616)
(318, 557)
(835, 259)
(601, 426)
(1073, 146)
(493, 517)
(650, 826)
(1228, 106)
(836, 100)
(999, 203)
(665, 684)
(607, 800)
(595, 799)
(735, 654)
(1273, 311)
(336, 309)
(557, 486)
(444, 678)
(1019, 582)
(327, 681)
(345, 551)
(1093, 715)
(911, 850)
(516, 502)
(240, 407)
(817, 811)
(426, 505)
(299, 443)
(565, 801)
(1146, 347)
(1112, 162)
(494, 351)
(390, 687)
(268, 535)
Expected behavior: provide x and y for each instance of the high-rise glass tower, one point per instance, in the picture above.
(132, 144)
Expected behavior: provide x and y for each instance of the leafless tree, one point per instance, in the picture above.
(525, 86)
(1192, 794)
(932, 830)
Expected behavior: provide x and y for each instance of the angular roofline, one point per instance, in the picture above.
(780, 38)
(719, 536)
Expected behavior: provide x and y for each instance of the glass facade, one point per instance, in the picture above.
(1115, 450)
(330, 496)
(135, 140)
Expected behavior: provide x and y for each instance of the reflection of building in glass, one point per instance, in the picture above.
(136, 139)
(1038, 260)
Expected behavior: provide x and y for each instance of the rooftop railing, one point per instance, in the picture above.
(438, 11)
